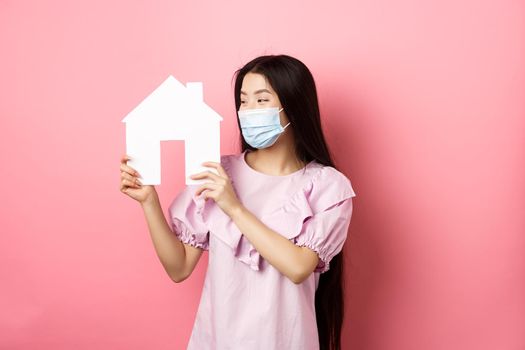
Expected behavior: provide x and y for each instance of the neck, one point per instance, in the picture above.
(278, 159)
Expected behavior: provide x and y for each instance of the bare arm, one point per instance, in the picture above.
(178, 259)
(296, 263)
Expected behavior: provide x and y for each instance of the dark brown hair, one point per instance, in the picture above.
(295, 86)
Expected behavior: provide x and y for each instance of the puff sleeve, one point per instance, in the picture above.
(325, 231)
(186, 220)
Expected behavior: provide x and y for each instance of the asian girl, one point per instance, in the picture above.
(274, 219)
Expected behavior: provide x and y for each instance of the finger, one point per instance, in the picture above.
(129, 170)
(206, 174)
(124, 158)
(127, 176)
(131, 183)
(124, 187)
(217, 166)
(207, 186)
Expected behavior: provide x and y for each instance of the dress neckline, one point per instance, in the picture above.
(246, 165)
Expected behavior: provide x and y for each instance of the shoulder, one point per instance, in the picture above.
(231, 164)
(329, 177)
(328, 186)
(330, 173)
(226, 158)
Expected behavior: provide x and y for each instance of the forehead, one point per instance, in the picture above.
(255, 81)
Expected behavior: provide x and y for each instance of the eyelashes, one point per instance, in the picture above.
(258, 100)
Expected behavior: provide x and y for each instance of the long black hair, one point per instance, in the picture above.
(294, 84)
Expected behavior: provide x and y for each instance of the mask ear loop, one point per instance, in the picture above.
(288, 122)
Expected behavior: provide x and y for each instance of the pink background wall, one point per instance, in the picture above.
(422, 103)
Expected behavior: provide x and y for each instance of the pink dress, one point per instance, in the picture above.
(246, 303)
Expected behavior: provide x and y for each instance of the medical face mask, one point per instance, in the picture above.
(261, 127)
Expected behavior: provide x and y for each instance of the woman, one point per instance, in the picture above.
(274, 227)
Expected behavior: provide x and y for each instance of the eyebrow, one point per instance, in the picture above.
(257, 92)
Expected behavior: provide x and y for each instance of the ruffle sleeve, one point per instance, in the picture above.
(222, 227)
(194, 219)
(326, 232)
(186, 220)
(318, 216)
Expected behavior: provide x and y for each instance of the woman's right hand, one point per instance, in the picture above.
(131, 185)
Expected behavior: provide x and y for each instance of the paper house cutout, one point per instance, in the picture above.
(173, 111)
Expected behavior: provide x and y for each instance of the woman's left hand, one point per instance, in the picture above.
(220, 190)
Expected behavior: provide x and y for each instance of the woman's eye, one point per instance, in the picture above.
(262, 99)
(243, 102)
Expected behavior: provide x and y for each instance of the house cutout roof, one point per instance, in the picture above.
(188, 97)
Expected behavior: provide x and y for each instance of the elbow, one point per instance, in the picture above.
(296, 280)
(305, 267)
(299, 278)
(177, 278)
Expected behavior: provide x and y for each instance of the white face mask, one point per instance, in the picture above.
(261, 127)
